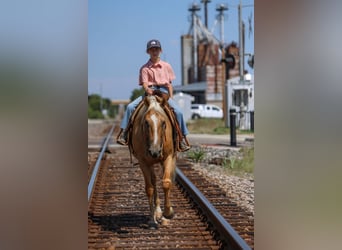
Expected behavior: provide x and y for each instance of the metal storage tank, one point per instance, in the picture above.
(186, 58)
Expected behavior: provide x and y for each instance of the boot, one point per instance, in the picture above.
(122, 137)
(184, 145)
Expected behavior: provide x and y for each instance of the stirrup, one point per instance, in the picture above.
(184, 145)
(120, 139)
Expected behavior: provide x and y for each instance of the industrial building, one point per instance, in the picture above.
(211, 69)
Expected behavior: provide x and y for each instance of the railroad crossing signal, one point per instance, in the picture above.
(251, 61)
(229, 60)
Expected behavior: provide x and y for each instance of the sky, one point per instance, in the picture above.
(119, 30)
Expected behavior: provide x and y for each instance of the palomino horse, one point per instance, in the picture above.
(152, 143)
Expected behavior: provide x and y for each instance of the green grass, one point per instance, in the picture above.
(237, 165)
(197, 155)
(211, 126)
(233, 165)
(245, 164)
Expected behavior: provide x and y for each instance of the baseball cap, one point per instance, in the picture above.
(153, 44)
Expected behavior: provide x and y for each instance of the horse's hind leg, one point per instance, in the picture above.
(167, 185)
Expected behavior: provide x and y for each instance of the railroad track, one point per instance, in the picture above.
(118, 210)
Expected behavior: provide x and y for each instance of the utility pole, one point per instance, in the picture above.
(241, 49)
(242, 39)
(242, 80)
(205, 2)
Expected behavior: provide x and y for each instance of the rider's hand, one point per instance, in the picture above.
(149, 91)
(166, 85)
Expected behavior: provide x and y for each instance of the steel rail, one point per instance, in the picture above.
(98, 162)
(226, 232)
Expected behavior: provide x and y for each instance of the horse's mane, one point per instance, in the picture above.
(154, 102)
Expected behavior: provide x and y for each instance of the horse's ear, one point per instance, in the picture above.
(163, 101)
(159, 98)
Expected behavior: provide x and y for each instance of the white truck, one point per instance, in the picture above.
(206, 111)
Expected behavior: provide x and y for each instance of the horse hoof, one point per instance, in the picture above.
(152, 225)
(159, 215)
(165, 222)
(169, 214)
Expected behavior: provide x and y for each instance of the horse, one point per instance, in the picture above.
(152, 143)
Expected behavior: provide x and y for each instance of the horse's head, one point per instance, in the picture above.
(154, 126)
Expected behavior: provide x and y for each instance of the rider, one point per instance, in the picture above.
(155, 75)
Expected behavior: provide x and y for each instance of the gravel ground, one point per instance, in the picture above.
(239, 188)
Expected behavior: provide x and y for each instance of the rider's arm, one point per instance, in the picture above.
(170, 89)
(148, 90)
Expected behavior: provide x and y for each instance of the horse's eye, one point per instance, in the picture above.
(164, 125)
(146, 124)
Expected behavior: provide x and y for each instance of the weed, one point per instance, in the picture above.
(232, 162)
(239, 164)
(197, 154)
(245, 163)
(225, 162)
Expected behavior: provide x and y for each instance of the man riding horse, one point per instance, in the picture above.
(156, 75)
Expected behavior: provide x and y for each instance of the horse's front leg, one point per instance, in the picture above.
(157, 210)
(168, 178)
(149, 189)
(153, 220)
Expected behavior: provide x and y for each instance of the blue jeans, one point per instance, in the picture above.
(179, 115)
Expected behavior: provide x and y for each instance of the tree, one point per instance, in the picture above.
(136, 93)
(94, 107)
(94, 102)
(113, 110)
(94, 114)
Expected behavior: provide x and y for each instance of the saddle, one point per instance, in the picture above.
(177, 133)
